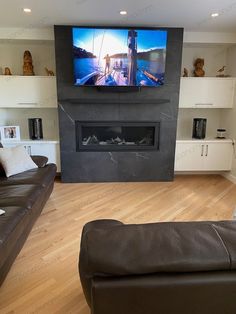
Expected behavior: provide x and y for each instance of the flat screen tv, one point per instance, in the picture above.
(119, 56)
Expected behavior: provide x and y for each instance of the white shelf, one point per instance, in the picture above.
(208, 78)
(28, 141)
(206, 140)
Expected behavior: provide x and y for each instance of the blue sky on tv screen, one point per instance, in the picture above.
(112, 41)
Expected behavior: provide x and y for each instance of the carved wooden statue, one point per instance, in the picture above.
(198, 65)
(28, 68)
(7, 71)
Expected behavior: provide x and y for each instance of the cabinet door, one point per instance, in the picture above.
(7, 90)
(47, 92)
(206, 92)
(189, 157)
(218, 156)
(28, 92)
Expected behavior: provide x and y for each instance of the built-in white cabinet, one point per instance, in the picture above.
(35, 95)
(28, 92)
(206, 92)
(198, 155)
(50, 149)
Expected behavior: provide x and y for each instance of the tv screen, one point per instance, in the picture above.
(119, 57)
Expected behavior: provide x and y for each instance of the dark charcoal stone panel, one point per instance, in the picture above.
(91, 104)
(89, 167)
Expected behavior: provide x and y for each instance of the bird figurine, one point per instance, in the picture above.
(185, 73)
(221, 72)
(49, 72)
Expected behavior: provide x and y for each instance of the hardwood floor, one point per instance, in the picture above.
(44, 277)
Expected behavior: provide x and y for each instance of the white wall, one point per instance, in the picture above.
(11, 55)
(185, 121)
(29, 33)
(20, 117)
(210, 37)
(215, 56)
(40, 42)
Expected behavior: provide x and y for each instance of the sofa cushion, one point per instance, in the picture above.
(12, 225)
(19, 195)
(116, 251)
(15, 160)
(161, 247)
(40, 176)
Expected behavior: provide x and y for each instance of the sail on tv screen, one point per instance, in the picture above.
(119, 57)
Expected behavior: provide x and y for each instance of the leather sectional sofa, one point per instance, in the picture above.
(160, 268)
(23, 197)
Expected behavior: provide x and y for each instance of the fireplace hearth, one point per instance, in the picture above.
(117, 136)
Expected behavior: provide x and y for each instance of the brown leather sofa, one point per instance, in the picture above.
(159, 268)
(23, 197)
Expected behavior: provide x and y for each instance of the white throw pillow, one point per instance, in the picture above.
(15, 160)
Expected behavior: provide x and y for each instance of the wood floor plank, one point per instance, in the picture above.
(44, 278)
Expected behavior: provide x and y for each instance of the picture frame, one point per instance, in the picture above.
(10, 133)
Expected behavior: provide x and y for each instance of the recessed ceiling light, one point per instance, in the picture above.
(123, 12)
(214, 14)
(27, 10)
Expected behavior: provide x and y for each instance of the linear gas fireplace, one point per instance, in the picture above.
(117, 136)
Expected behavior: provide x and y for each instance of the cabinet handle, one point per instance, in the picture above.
(206, 150)
(202, 150)
(28, 149)
(204, 104)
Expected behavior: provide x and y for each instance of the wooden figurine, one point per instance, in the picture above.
(185, 73)
(28, 68)
(7, 71)
(49, 72)
(198, 71)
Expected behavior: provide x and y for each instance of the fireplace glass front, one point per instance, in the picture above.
(113, 136)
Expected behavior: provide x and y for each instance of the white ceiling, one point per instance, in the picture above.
(192, 15)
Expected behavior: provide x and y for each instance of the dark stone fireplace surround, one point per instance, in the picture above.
(78, 105)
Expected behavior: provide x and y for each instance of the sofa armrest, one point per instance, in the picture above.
(40, 161)
(84, 269)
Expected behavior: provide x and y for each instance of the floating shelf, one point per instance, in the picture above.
(92, 101)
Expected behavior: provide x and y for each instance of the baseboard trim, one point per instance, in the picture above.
(197, 172)
(226, 175)
(230, 177)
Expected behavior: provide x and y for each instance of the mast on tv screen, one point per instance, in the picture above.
(132, 57)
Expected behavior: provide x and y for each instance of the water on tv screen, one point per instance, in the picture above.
(119, 57)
